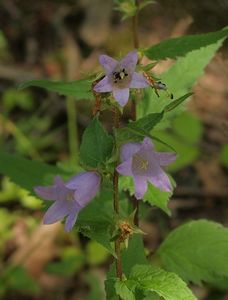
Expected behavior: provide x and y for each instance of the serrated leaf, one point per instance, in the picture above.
(96, 146)
(179, 79)
(158, 198)
(197, 251)
(176, 47)
(26, 173)
(153, 195)
(80, 89)
(134, 254)
(165, 284)
(123, 290)
(140, 128)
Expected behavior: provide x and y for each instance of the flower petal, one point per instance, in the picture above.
(121, 96)
(108, 63)
(161, 181)
(138, 81)
(125, 168)
(71, 219)
(165, 158)
(87, 185)
(140, 186)
(103, 86)
(128, 150)
(46, 192)
(147, 145)
(57, 212)
(129, 61)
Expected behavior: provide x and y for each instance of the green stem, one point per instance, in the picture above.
(72, 129)
(119, 271)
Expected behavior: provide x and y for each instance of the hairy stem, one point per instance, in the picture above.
(119, 271)
(133, 102)
(72, 129)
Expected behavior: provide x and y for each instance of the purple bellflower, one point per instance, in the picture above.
(144, 164)
(69, 197)
(120, 77)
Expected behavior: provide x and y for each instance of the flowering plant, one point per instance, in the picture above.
(125, 170)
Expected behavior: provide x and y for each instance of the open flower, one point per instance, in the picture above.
(144, 164)
(120, 77)
(69, 197)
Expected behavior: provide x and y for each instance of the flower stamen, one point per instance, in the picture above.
(70, 196)
(140, 162)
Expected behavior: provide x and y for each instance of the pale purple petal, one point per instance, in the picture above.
(57, 211)
(165, 158)
(71, 219)
(125, 168)
(161, 181)
(140, 186)
(138, 81)
(103, 86)
(108, 63)
(128, 150)
(54, 192)
(129, 61)
(46, 192)
(87, 185)
(121, 96)
(147, 145)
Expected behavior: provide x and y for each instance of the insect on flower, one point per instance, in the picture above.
(120, 77)
(157, 85)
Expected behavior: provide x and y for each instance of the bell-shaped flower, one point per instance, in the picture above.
(69, 198)
(144, 164)
(120, 77)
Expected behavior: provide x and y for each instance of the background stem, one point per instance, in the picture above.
(133, 102)
(72, 129)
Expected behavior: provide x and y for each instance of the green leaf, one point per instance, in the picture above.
(96, 146)
(158, 198)
(179, 79)
(123, 290)
(96, 290)
(134, 254)
(176, 102)
(186, 151)
(165, 284)
(95, 253)
(80, 89)
(140, 128)
(197, 251)
(188, 128)
(153, 195)
(148, 122)
(224, 155)
(95, 220)
(26, 173)
(176, 47)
